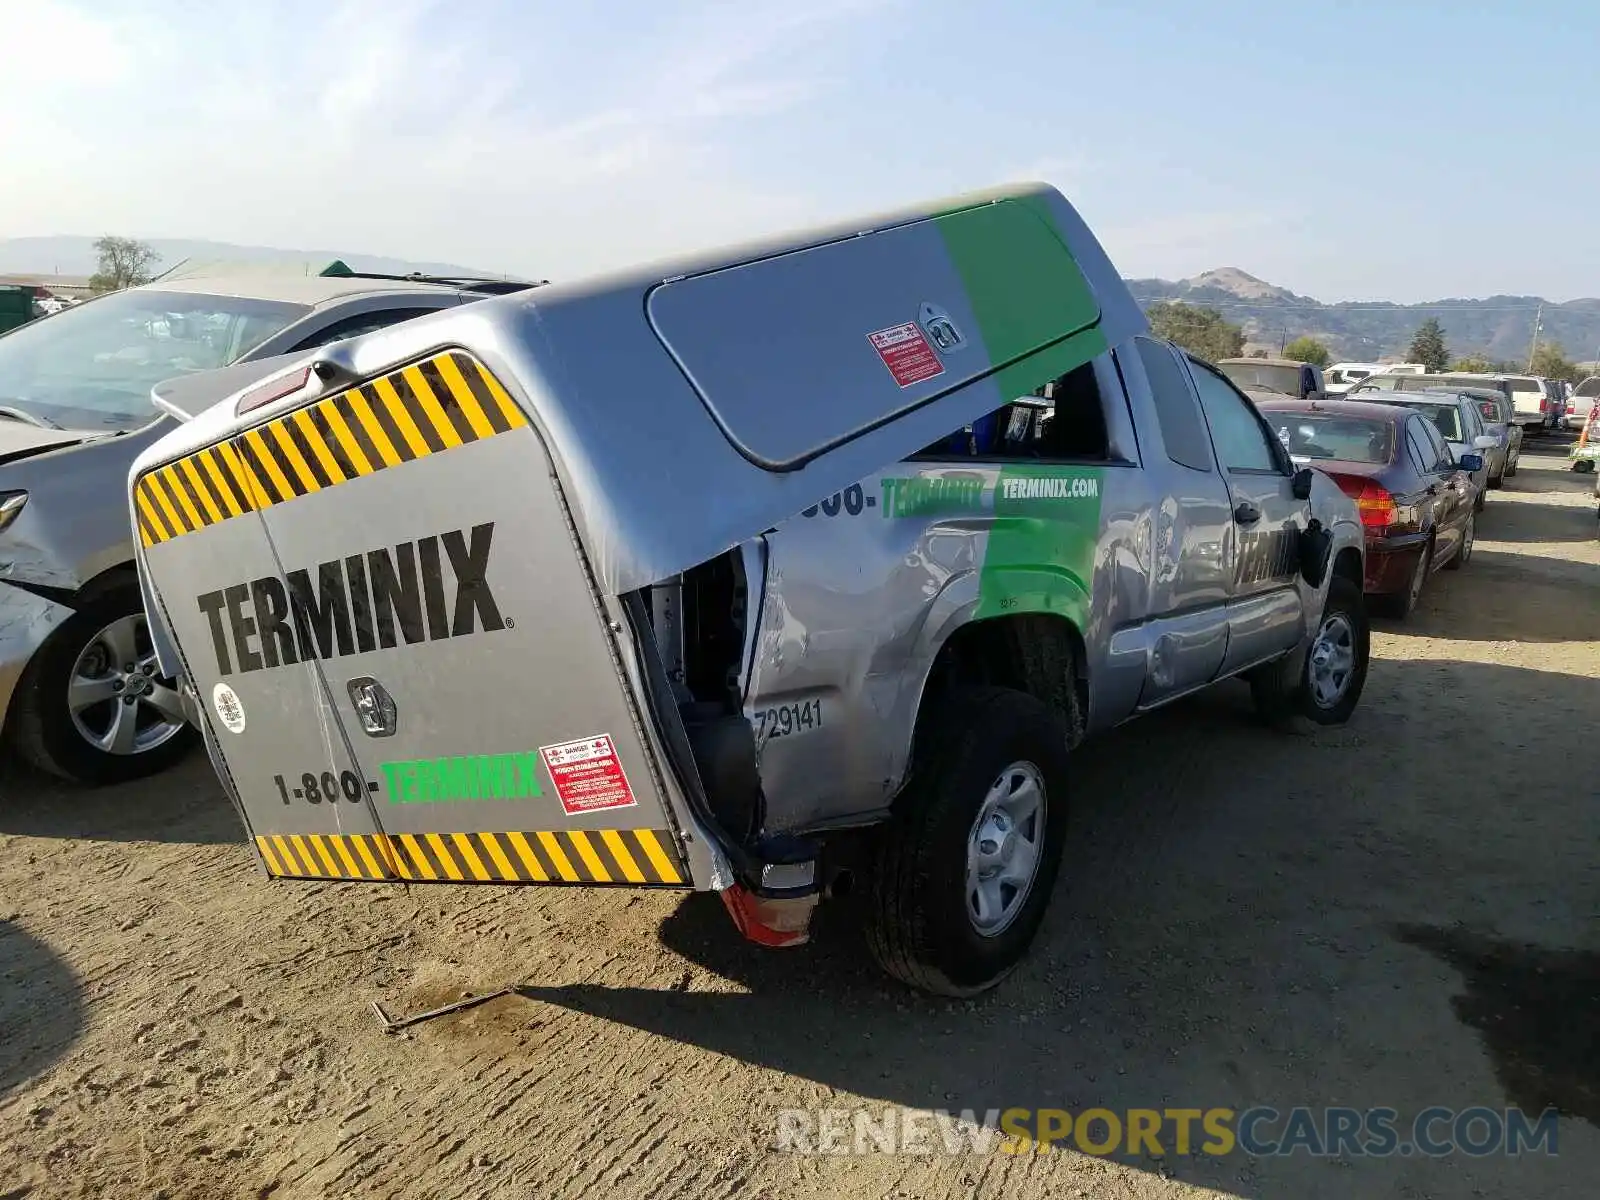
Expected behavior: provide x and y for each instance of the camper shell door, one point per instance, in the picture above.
(398, 606)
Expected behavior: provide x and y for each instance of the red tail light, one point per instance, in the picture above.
(273, 389)
(1376, 504)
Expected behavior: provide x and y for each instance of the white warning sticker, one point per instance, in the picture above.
(230, 709)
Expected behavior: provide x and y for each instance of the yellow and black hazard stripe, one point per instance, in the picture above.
(640, 857)
(443, 402)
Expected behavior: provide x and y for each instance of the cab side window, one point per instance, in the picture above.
(1062, 420)
(1182, 429)
(1242, 439)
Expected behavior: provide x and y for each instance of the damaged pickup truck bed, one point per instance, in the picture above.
(802, 565)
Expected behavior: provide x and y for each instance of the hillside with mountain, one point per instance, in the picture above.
(1496, 327)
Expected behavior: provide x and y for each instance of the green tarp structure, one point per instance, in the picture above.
(16, 305)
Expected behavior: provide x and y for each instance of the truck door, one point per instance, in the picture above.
(1188, 606)
(308, 806)
(1265, 611)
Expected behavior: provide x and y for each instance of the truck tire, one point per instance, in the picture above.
(57, 731)
(1297, 694)
(986, 801)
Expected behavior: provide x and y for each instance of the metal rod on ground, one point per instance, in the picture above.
(390, 1025)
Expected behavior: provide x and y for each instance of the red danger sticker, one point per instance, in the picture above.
(907, 353)
(587, 775)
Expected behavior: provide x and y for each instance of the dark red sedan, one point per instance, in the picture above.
(1416, 498)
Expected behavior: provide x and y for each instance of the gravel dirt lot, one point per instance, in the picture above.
(1399, 913)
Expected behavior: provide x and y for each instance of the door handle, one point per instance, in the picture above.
(1246, 513)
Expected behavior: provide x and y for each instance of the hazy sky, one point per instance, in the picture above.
(1402, 149)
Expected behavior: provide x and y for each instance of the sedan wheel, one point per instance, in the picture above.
(118, 704)
(92, 705)
(1464, 551)
(1401, 605)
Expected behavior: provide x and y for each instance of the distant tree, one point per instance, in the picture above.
(1475, 364)
(1428, 347)
(1550, 361)
(1308, 349)
(1201, 331)
(124, 263)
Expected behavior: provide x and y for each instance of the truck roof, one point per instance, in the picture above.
(688, 405)
(1266, 362)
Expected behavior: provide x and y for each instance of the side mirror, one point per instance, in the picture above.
(1470, 463)
(1486, 441)
(1301, 483)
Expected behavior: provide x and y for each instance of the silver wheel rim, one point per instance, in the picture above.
(118, 702)
(1004, 848)
(1333, 660)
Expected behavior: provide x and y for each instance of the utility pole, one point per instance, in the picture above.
(1538, 320)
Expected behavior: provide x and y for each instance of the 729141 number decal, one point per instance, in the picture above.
(785, 719)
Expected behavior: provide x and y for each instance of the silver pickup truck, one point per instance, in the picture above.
(788, 572)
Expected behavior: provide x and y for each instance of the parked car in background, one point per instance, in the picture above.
(1581, 403)
(80, 693)
(1417, 500)
(1537, 401)
(1526, 392)
(1343, 376)
(1269, 377)
(1459, 422)
(1500, 419)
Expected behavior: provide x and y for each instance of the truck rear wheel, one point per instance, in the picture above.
(1324, 686)
(965, 868)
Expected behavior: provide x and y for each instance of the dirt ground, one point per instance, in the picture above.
(1399, 913)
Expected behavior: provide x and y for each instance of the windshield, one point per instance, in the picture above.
(1270, 378)
(1352, 439)
(93, 365)
(1446, 419)
(1589, 387)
